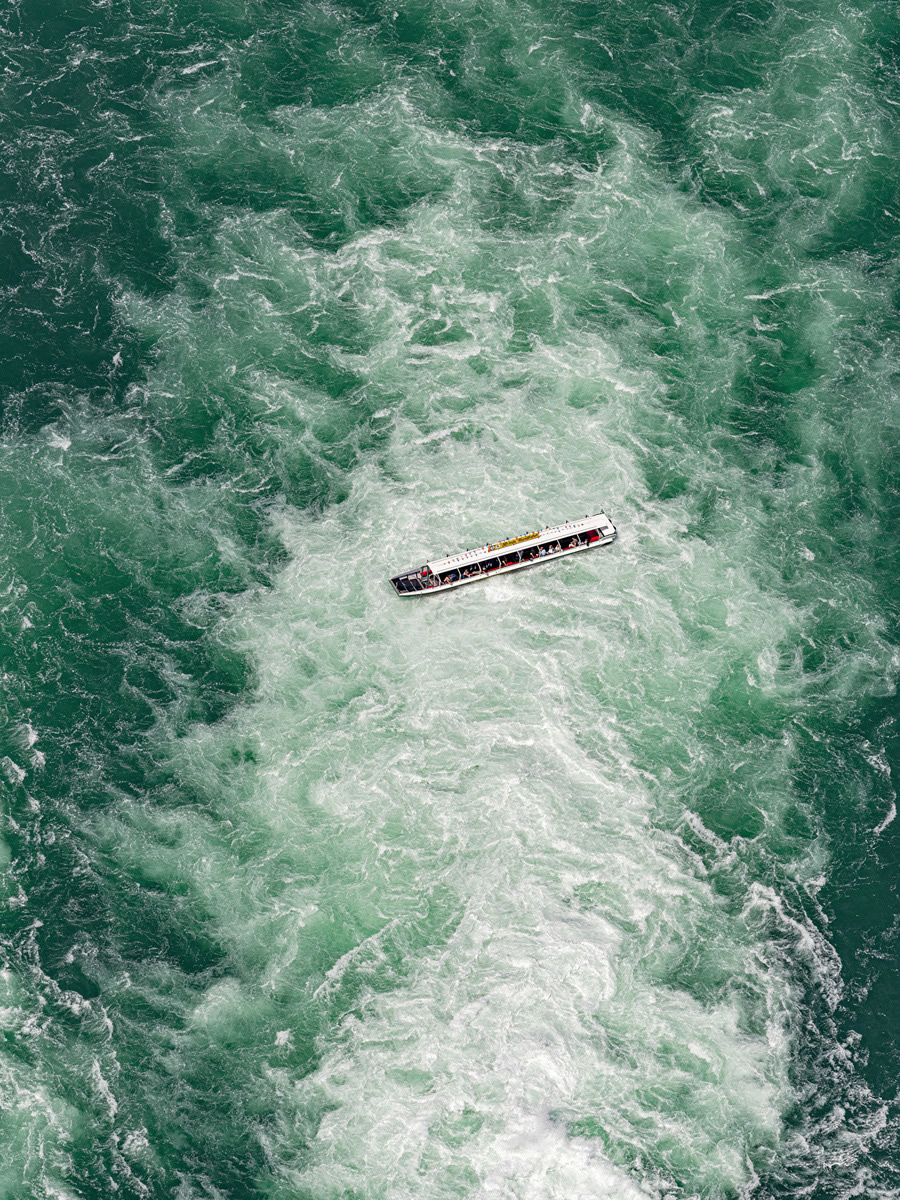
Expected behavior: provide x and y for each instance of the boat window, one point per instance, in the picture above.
(506, 560)
(490, 564)
(591, 536)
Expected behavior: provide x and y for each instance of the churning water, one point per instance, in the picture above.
(580, 884)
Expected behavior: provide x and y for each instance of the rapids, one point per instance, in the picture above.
(581, 883)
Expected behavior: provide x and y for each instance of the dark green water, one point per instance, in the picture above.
(578, 884)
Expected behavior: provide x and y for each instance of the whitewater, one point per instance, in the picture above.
(578, 884)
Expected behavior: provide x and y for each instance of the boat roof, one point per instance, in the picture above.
(520, 543)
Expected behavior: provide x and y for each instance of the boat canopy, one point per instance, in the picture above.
(599, 521)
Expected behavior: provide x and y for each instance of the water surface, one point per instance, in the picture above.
(578, 884)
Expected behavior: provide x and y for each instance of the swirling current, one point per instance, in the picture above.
(581, 883)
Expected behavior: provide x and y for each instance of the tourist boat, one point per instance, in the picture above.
(497, 558)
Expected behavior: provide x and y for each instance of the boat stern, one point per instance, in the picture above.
(412, 581)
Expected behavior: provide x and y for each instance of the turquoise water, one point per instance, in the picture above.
(578, 884)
